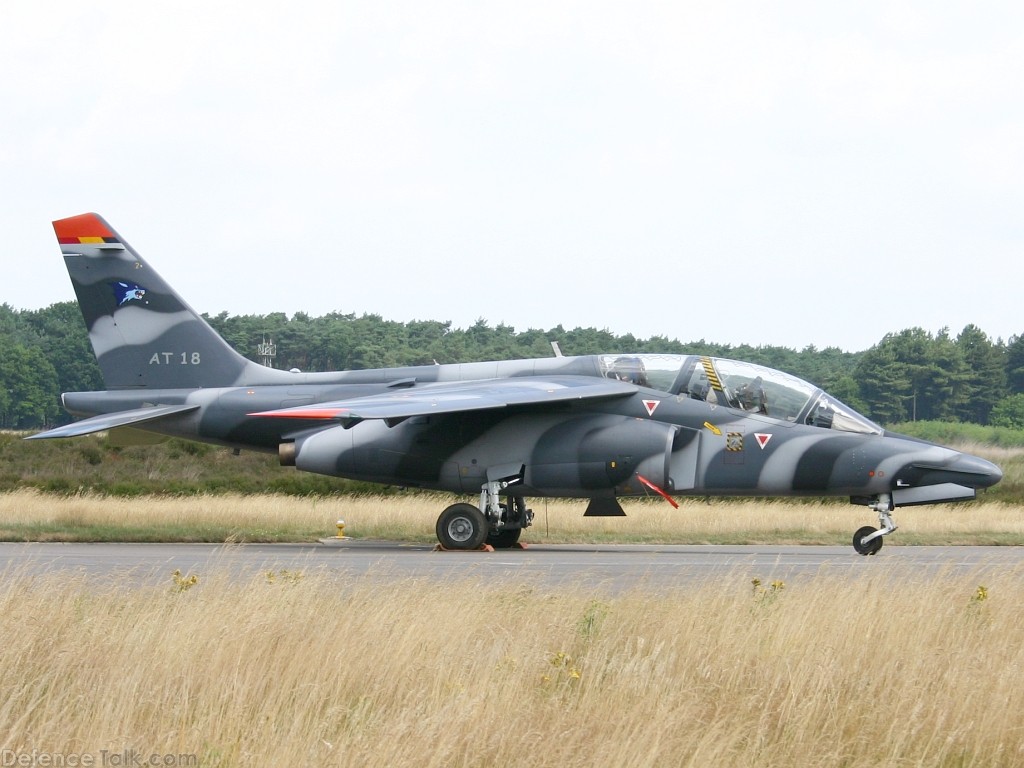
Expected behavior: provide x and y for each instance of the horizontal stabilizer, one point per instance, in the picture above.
(458, 397)
(110, 420)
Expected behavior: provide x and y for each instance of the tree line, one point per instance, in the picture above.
(908, 375)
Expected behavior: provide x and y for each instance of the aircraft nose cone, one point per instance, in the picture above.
(977, 471)
(962, 469)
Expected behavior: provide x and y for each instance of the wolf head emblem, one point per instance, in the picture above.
(125, 292)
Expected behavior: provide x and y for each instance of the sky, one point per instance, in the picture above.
(787, 174)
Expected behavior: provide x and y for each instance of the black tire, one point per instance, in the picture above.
(461, 526)
(872, 546)
(505, 538)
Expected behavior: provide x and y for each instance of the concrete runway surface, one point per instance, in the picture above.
(602, 567)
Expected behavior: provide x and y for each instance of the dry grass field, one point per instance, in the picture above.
(31, 515)
(287, 669)
(290, 669)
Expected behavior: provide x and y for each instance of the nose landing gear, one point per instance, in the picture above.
(868, 540)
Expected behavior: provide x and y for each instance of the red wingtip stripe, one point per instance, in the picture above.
(85, 228)
(305, 413)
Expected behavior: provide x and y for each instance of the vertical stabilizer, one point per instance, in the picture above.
(144, 335)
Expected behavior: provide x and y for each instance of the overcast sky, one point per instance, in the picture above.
(787, 173)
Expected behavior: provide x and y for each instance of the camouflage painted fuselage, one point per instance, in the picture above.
(593, 427)
(572, 448)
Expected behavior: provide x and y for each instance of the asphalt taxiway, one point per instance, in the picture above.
(607, 567)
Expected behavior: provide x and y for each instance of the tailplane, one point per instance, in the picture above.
(144, 334)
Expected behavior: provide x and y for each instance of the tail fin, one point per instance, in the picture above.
(144, 335)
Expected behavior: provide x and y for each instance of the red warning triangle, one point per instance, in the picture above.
(762, 438)
(651, 405)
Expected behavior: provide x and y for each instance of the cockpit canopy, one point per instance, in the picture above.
(740, 385)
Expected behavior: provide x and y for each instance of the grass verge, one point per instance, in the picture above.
(28, 515)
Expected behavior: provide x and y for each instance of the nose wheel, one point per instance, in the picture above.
(868, 540)
(865, 546)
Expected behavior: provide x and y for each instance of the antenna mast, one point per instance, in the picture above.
(267, 351)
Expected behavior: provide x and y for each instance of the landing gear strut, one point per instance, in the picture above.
(868, 540)
(514, 517)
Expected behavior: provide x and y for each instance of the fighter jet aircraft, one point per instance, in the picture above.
(597, 427)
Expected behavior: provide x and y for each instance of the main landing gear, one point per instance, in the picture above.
(465, 526)
(868, 540)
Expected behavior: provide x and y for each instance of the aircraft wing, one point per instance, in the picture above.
(459, 397)
(111, 420)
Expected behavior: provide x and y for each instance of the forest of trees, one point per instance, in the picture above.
(908, 375)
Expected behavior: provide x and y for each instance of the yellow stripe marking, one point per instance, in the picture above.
(712, 375)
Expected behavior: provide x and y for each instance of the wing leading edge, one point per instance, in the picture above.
(459, 397)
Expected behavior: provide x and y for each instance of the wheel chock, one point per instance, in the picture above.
(484, 548)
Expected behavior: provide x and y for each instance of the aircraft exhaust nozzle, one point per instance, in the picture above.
(286, 454)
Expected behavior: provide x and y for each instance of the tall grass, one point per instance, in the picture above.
(31, 515)
(287, 669)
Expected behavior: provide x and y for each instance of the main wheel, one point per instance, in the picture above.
(461, 526)
(872, 546)
(505, 538)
